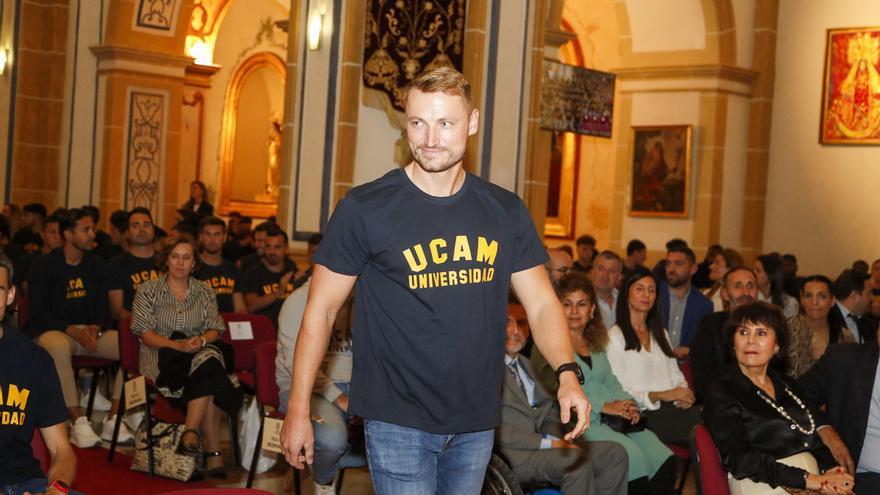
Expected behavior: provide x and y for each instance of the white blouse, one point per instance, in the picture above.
(641, 372)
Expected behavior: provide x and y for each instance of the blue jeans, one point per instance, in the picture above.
(330, 425)
(33, 485)
(406, 461)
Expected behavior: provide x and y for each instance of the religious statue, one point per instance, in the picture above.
(273, 171)
(855, 109)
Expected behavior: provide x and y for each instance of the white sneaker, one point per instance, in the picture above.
(101, 402)
(325, 489)
(82, 435)
(133, 420)
(124, 437)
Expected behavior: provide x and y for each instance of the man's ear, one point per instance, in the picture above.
(474, 122)
(10, 294)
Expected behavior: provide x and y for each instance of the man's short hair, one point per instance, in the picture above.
(849, 281)
(211, 221)
(692, 258)
(94, 212)
(610, 255)
(315, 239)
(245, 220)
(53, 218)
(444, 80)
(585, 239)
(789, 257)
(264, 227)
(671, 243)
(274, 231)
(36, 208)
(861, 266)
(185, 228)
(634, 246)
(740, 268)
(69, 220)
(142, 211)
(119, 220)
(234, 214)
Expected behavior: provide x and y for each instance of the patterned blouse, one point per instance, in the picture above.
(156, 309)
(800, 347)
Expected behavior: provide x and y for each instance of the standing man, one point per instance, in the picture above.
(31, 399)
(68, 296)
(605, 276)
(129, 269)
(682, 305)
(434, 251)
(268, 283)
(219, 273)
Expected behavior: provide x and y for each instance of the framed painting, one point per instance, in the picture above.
(561, 185)
(851, 90)
(661, 171)
(577, 99)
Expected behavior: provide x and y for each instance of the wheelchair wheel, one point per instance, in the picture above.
(500, 479)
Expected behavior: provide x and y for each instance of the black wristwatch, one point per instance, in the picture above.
(570, 367)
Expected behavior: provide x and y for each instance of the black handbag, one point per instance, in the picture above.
(621, 424)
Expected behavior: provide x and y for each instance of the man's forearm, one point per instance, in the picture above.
(311, 345)
(63, 466)
(256, 302)
(549, 329)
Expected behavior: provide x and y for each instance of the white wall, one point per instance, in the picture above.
(375, 145)
(822, 201)
(666, 26)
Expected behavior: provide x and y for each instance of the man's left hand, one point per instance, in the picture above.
(838, 449)
(571, 396)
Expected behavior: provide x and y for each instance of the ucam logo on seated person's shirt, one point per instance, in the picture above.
(431, 297)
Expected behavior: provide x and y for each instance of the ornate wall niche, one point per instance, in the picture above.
(145, 149)
(250, 154)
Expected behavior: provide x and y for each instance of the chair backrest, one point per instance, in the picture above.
(685, 367)
(129, 347)
(41, 452)
(263, 330)
(24, 312)
(711, 477)
(267, 388)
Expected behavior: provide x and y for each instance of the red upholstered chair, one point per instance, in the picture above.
(263, 330)
(683, 453)
(685, 367)
(41, 452)
(95, 364)
(710, 475)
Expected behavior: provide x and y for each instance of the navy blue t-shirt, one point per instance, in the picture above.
(431, 297)
(30, 397)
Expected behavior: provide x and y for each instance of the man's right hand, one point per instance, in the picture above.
(563, 444)
(85, 336)
(297, 440)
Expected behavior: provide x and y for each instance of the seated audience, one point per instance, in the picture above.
(846, 380)
(860, 266)
(118, 231)
(875, 288)
(332, 384)
(241, 242)
(681, 305)
(660, 267)
(558, 265)
(30, 397)
(708, 355)
(605, 276)
(701, 278)
(130, 269)
(12, 213)
(51, 235)
(642, 359)
(68, 315)
(586, 252)
(789, 269)
(179, 326)
(258, 239)
(311, 248)
(651, 464)
(815, 327)
(853, 294)
(771, 284)
(28, 235)
(198, 200)
(221, 274)
(765, 433)
(530, 437)
(636, 254)
(268, 283)
(721, 263)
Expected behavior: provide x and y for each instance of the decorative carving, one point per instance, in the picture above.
(404, 38)
(144, 152)
(265, 34)
(157, 14)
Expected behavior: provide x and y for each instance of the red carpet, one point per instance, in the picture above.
(96, 476)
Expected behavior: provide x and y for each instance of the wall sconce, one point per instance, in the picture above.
(199, 50)
(4, 60)
(315, 31)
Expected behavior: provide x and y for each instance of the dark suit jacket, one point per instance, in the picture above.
(843, 379)
(521, 424)
(708, 357)
(695, 309)
(866, 324)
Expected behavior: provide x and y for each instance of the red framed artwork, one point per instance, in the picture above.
(851, 92)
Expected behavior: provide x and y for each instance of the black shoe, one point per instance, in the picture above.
(217, 473)
(190, 449)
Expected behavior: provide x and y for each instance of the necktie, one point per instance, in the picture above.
(512, 369)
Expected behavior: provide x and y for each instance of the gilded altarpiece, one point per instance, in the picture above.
(403, 39)
(145, 150)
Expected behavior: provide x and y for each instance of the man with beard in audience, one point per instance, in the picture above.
(221, 274)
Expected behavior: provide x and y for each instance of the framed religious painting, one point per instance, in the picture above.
(851, 93)
(661, 171)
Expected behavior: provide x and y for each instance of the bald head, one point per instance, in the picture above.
(558, 266)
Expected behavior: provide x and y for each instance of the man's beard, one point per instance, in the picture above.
(676, 283)
(212, 252)
(433, 166)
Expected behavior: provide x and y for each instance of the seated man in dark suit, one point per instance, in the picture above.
(738, 287)
(853, 293)
(530, 435)
(847, 381)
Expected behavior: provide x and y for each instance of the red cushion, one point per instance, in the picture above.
(679, 451)
(713, 478)
(247, 379)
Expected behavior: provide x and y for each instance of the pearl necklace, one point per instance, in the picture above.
(784, 414)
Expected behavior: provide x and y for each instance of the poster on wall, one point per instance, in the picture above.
(661, 171)
(576, 99)
(851, 94)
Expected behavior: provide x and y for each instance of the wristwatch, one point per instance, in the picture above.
(570, 367)
(59, 485)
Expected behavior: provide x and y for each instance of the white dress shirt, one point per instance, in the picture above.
(609, 312)
(850, 321)
(642, 372)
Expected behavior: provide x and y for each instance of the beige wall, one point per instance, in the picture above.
(821, 200)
